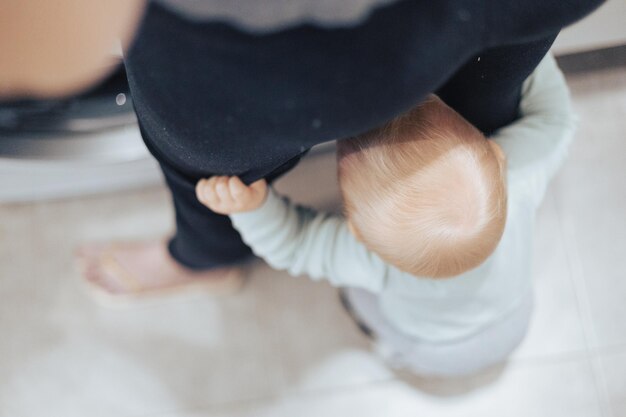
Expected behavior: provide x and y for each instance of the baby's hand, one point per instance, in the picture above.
(227, 195)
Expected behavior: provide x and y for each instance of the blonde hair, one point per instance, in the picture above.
(426, 191)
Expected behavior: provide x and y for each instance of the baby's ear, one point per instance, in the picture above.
(497, 149)
(353, 230)
(500, 155)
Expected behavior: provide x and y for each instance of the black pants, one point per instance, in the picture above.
(215, 100)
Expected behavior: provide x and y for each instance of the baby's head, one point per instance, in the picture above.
(426, 192)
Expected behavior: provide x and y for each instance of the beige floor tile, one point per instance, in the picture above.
(281, 334)
(17, 235)
(556, 325)
(315, 343)
(556, 390)
(613, 369)
(590, 196)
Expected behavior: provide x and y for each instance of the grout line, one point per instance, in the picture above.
(610, 350)
(550, 358)
(602, 387)
(577, 277)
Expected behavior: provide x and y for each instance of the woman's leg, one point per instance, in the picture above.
(486, 89)
(203, 239)
(212, 99)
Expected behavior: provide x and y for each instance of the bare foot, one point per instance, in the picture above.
(133, 270)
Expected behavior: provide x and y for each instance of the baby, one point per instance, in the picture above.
(436, 242)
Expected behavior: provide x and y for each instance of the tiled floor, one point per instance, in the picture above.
(283, 347)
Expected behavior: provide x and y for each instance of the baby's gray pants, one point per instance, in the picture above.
(490, 346)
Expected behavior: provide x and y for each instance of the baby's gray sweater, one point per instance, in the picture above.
(303, 241)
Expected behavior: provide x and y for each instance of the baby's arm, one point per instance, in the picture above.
(537, 143)
(293, 238)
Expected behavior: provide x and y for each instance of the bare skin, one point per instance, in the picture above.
(228, 195)
(57, 48)
(146, 268)
(138, 268)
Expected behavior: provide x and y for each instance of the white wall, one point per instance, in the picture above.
(604, 28)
